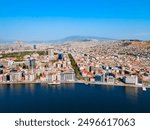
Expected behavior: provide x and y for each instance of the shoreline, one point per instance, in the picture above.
(81, 82)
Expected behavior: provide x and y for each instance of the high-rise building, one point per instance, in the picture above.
(34, 47)
(60, 56)
(32, 63)
(51, 53)
(19, 45)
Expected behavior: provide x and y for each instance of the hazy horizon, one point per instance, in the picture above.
(67, 38)
(31, 20)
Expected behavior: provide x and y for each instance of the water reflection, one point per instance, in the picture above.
(109, 87)
(62, 86)
(44, 85)
(30, 88)
(11, 88)
(70, 86)
(15, 88)
(2, 89)
(132, 93)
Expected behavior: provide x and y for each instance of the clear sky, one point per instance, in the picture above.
(55, 19)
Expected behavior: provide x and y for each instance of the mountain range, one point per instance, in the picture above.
(66, 39)
(82, 38)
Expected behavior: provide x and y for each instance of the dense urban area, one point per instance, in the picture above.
(116, 62)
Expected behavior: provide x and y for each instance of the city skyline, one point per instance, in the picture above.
(52, 20)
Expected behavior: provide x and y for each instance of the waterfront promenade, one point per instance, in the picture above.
(80, 82)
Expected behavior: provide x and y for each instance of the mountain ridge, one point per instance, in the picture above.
(66, 39)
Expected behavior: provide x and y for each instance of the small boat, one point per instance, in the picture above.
(54, 83)
(144, 88)
(86, 83)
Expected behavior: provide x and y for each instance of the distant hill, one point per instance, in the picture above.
(67, 39)
(82, 38)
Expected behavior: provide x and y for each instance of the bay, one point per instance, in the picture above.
(74, 98)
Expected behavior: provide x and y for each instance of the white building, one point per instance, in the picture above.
(67, 76)
(51, 53)
(110, 79)
(15, 76)
(133, 79)
(31, 77)
(52, 77)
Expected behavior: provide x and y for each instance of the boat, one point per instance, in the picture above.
(54, 83)
(86, 83)
(144, 88)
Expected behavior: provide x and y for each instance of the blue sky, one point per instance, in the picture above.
(55, 19)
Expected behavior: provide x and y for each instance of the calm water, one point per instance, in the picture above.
(72, 98)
